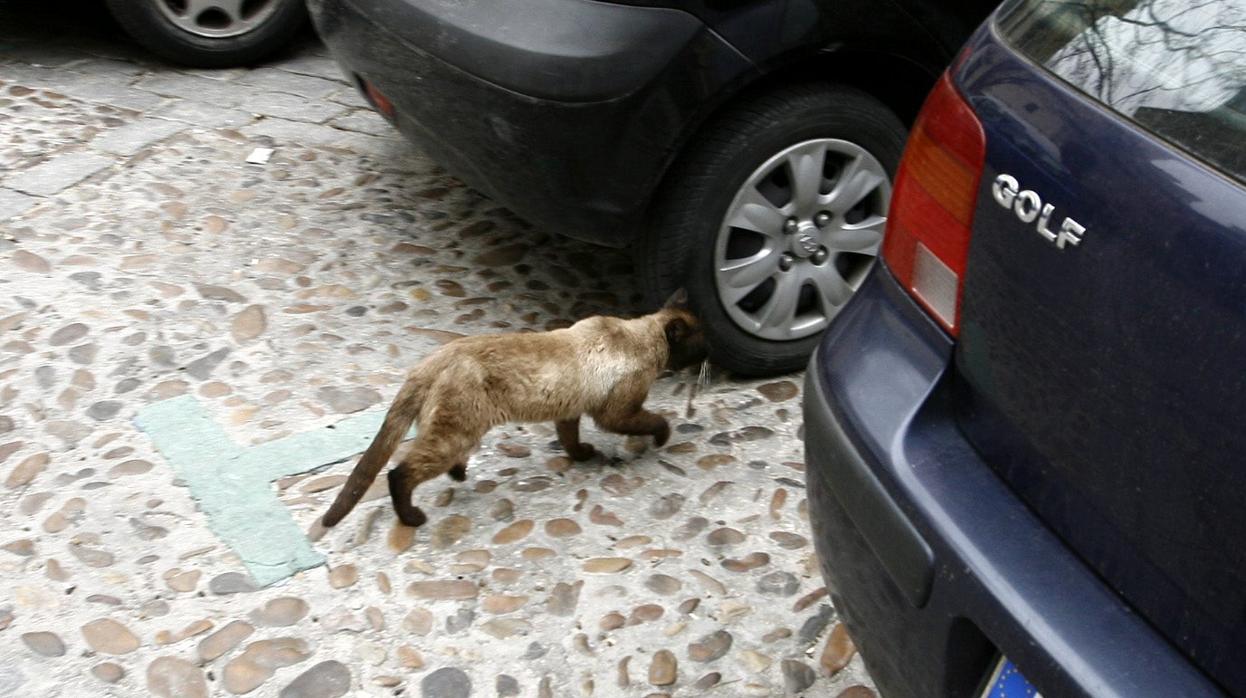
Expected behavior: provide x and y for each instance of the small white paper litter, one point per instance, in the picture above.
(259, 156)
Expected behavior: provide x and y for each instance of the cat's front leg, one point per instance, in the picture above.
(637, 422)
(569, 437)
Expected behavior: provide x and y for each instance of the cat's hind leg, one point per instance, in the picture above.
(401, 485)
(442, 446)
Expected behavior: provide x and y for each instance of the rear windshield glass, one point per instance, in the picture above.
(1175, 67)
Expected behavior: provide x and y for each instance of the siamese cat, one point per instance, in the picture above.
(601, 367)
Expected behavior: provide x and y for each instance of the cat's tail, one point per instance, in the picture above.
(402, 413)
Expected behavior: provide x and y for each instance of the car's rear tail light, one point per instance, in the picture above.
(931, 215)
(379, 101)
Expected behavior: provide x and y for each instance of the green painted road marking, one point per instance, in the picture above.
(233, 484)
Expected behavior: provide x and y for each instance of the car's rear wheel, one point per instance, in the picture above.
(211, 33)
(772, 220)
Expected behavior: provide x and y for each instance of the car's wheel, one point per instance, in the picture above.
(211, 33)
(772, 219)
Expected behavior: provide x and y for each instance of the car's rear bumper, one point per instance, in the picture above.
(567, 111)
(933, 562)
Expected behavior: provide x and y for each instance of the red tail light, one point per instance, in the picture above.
(932, 206)
(379, 101)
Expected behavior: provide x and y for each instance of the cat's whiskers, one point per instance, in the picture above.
(702, 380)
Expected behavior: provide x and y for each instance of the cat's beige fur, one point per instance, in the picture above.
(602, 367)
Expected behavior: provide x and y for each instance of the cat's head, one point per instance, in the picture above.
(685, 337)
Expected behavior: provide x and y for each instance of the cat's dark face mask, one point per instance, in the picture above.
(685, 341)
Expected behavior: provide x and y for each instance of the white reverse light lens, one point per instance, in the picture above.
(935, 283)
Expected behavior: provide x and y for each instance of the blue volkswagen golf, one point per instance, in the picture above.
(1024, 434)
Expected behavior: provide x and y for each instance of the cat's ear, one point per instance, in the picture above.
(678, 299)
(677, 331)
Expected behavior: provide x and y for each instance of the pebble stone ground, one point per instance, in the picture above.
(143, 259)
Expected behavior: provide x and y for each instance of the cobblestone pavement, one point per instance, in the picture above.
(144, 259)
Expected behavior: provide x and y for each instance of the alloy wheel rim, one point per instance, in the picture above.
(799, 237)
(217, 19)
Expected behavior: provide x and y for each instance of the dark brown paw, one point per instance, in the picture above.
(458, 473)
(411, 516)
(662, 434)
(400, 496)
(581, 452)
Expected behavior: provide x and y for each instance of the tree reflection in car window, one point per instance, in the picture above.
(1176, 67)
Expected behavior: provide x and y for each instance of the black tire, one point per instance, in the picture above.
(676, 248)
(143, 21)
